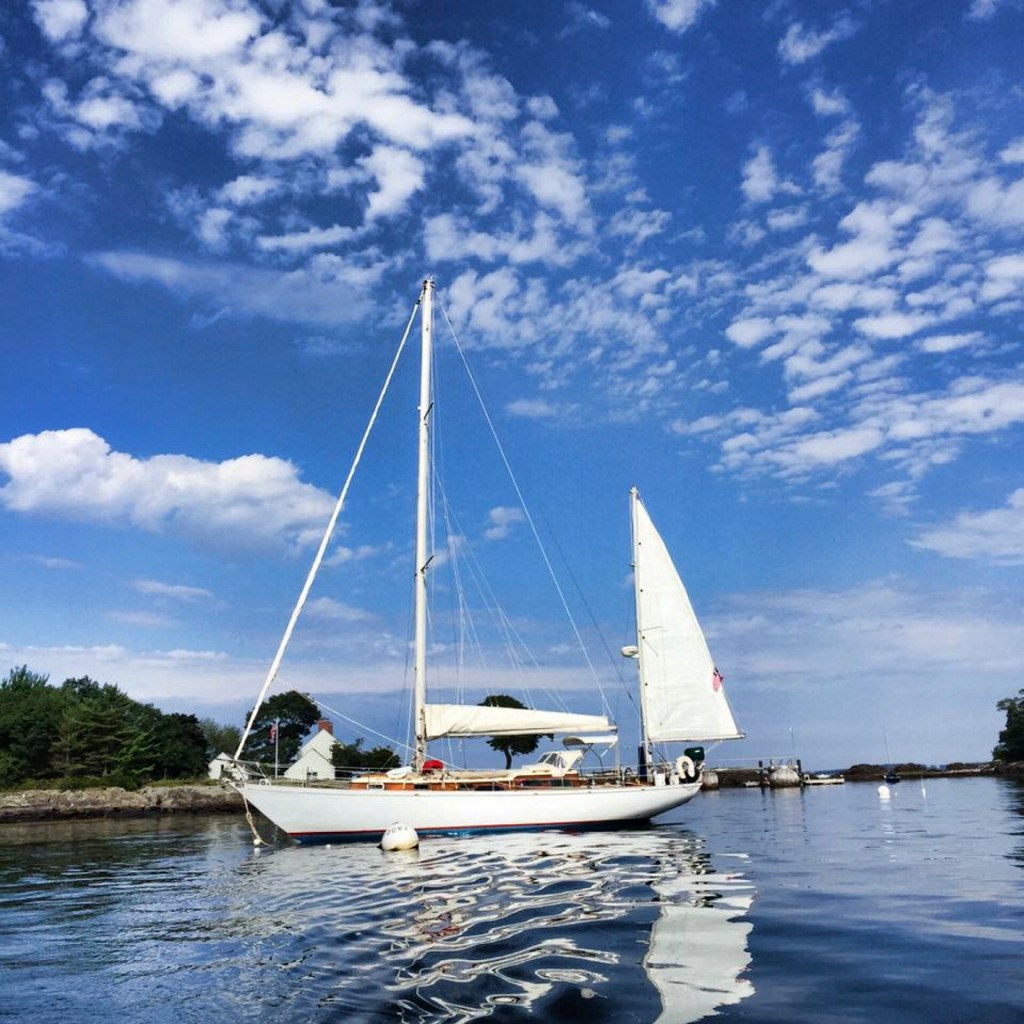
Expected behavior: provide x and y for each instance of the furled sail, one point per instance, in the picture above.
(683, 694)
(477, 720)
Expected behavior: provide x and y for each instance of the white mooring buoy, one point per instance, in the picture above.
(399, 837)
(883, 792)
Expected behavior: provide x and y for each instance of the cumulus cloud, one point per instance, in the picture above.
(253, 501)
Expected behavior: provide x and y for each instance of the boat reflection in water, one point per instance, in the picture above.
(698, 949)
(560, 924)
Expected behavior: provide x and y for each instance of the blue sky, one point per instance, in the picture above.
(764, 261)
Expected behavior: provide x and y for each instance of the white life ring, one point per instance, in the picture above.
(686, 768)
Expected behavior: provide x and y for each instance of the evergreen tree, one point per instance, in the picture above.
(181, 747)
(1011, 739)
(29, 713)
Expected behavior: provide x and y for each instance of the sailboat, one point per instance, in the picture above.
(682, 700)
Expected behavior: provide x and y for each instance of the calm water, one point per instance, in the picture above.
(828, 905)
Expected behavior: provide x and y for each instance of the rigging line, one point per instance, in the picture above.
(332, 522)
(615, 663)
(526, 511)
(358, 725)
(520, 655)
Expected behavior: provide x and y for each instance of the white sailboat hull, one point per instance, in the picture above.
(321, 815)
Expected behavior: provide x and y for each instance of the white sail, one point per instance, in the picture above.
(477, 720)
(682, 692)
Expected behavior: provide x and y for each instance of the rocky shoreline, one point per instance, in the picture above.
(64, 804)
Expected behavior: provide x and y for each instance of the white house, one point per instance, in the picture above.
(223, 766)
(314, 760)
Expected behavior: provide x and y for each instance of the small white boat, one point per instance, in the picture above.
(682, 700)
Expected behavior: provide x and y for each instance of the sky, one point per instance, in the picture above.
(763, 261)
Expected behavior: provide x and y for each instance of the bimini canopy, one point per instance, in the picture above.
(571, 742)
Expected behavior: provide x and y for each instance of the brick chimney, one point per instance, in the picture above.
(326, 725)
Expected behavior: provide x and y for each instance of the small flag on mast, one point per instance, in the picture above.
(273, 732)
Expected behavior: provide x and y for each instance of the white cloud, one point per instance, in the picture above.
(983, 10)
(1014, 152)
(326, 290)
(889, 326)
(996, 203)
(827, 167)
(750, 331)
(1004, 277)
(175, 591)
(177, 29)
(829, 104)
(941, 343)
(247, 189)
(14, 190)
(399, 175)
(251, 501)
(329, 610)
(502, 520)
(801, 44)
(304, 241)
(532, 408)
(678, 15)
(760, 182)
(829, 447)
(60, 20)
(996, 535)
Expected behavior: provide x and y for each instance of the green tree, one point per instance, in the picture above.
(30, 711)
(296, 715)
(181, 747)
(352, 755)
(510, 745)
(220, 739)
(1011, 739)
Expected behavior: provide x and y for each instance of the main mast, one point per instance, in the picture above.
(422, 495)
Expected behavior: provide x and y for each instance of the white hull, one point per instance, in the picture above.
(318, 815)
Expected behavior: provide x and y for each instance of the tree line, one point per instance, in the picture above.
(88, 733)
(84, 733)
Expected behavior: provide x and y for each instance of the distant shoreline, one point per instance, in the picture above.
(744, 777)
(112, 802)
